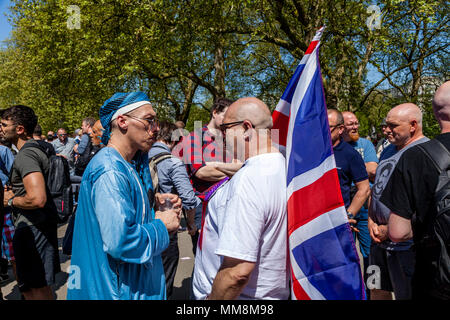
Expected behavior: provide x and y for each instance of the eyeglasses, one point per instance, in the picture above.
(225, 126)
(62, 135)
(153, 123)
(335, 126)
(352, 124)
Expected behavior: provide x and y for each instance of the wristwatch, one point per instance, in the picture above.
(10, 202)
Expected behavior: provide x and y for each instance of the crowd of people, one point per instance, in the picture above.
(138, 177)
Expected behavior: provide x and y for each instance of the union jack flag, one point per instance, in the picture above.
(323, 258)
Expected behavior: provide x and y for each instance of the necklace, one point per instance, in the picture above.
(117, 149)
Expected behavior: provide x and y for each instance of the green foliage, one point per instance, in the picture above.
(184, 54)
(197, 114)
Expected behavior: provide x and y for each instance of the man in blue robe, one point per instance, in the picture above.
(118, 238)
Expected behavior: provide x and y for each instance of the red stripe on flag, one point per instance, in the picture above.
(281, 123)
(299, 293)
(311, 47)
(313, 200)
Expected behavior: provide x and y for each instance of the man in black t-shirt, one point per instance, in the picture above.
(35, 239)
(409, 195)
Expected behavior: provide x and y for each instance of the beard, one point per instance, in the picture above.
(354, 136)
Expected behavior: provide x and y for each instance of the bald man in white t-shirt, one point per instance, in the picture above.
(243, 251)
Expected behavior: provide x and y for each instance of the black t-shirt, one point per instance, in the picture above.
(409, 194)
(411, 187)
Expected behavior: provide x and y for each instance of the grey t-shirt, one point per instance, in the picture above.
(30, 160)
(378, 212)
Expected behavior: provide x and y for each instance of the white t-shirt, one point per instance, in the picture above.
(247, 220)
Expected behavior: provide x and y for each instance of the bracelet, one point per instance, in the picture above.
(10, 202)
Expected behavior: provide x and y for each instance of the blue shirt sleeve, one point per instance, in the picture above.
(184, 188)
(7, 159)
(83, 143)
(370, 155)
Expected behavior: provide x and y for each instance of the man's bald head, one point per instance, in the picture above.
(337, 116)
(348, 114)
(404, 125)
(351, 126)
(251, 109)
(441, 105)
(406, 112)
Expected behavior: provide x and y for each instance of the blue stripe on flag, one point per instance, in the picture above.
(331, 269)
(292, 85)
(311, 142)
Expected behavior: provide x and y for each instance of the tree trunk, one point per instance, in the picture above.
(219, 68)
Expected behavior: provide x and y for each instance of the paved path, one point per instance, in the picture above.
(181, 284)
(182, 281)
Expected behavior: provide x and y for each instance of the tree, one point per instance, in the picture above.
(186, 53)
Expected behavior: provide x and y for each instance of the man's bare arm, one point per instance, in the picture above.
(400, 229)
(35, 196)
(231, 279)
(371, 168)
(363, 191)
(229, 168)
(210, 173)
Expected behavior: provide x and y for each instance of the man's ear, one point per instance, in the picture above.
(122, 122)
(20, 130)
(413, 126)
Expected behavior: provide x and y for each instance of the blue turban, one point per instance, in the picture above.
(120, 100)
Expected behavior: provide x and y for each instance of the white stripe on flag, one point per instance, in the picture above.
(310, 290)
(310, 176)
(283, 107)
(304, 59)
(318, 34)
(325, 222)
(322, 223)
(299, 94)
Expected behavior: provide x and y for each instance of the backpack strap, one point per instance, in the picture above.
(160, 157)
(437, 153)
(153, 162)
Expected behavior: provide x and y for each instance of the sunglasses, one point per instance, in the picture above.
(153, 123)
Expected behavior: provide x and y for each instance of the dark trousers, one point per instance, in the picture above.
(170, 262)
(194, 239)
(3, 266)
